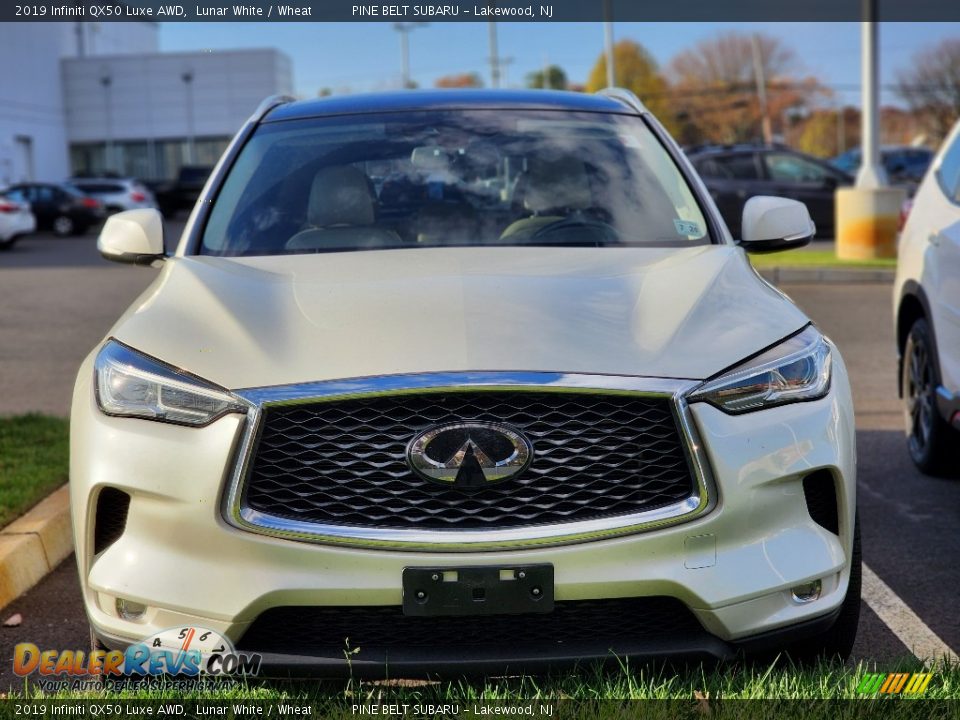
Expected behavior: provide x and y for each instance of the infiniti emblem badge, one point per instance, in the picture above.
(469, 454)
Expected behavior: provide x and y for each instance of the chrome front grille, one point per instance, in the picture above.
(344, 462)
(327, 462)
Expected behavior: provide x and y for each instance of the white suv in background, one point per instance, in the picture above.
(116, 194)
(927, 311)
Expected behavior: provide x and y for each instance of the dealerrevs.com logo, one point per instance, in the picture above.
(182, 653)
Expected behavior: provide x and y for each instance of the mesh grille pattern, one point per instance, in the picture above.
(344, 462)
(316, 630)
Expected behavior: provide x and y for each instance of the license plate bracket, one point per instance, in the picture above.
(477, 590)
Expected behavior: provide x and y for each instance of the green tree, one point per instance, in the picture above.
(637, 71)
(820, 134)
(552, 78)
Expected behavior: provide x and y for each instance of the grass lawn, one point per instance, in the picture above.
(817, 258)
(33, 461)
(735, 682)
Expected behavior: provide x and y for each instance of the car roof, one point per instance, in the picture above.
(737, 148)
(448, 99)
(96, 180)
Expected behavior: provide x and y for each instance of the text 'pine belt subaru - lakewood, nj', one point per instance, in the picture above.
(448, 381)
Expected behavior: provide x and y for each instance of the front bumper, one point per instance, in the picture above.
(733, 567)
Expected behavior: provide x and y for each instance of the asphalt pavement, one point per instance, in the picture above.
(58, 298)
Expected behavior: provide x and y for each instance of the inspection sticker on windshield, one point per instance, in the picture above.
(686, 227)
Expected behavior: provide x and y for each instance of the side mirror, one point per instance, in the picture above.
(133, 236)
(770, 224)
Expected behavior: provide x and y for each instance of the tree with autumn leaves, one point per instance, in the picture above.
(709, 92)
(637, 71)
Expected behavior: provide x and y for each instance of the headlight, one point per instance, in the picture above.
(131, 384)
(796, 369)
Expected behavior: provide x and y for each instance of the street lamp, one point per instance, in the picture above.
(405, 29)
(187, 78)
(608, 43)
(106, 81)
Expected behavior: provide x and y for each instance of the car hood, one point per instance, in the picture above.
(657, 312)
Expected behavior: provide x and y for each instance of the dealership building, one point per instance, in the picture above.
(96, 97)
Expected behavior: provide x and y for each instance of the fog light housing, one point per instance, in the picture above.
(808, 592)
(129, 610)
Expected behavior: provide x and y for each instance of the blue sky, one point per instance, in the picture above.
(366, 56)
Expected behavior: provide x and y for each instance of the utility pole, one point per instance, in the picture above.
(498, 72)
(187, 78)
(608, 43)
(405, 29)
(760, 78)
(494, 54)
(106, 81)
(841, 129)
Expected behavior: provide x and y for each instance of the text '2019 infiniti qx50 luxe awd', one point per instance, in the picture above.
(468, 381)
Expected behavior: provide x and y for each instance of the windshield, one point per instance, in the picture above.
(462, 178)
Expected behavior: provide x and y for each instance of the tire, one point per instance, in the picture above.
(836, 643)
(930, 440)
(7, 244)
(63, 225)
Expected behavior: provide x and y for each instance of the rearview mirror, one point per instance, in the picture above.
(770, 224)
(134, 236)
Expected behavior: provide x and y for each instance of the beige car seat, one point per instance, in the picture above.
(341, 212)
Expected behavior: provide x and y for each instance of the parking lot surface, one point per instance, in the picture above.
(59, 298)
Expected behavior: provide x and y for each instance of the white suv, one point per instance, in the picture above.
(469, 380)
(926, 300)
(116, 194)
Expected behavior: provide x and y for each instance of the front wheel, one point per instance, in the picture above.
(63, 225)
(929, 437)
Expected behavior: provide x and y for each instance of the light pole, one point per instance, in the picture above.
(871, 173)
(867, 214)
(608, 43)
(106, 81)
(405, 29)
(187, 78)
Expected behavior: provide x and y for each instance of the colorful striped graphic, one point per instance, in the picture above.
(894, 683)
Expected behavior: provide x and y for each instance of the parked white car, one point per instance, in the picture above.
(463, 430)
(116, 194)
(926, 299)
(16, 220)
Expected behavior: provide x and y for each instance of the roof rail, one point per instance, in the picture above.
(269, 104)
(626, 97)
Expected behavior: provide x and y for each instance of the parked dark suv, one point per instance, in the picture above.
(736, 173)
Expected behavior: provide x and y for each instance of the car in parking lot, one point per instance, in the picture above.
(58, 206)
(16, 220)
(116, 193)
(926, 300)
(736, 173)
(449, 429)
(904, 164)
(182, 193)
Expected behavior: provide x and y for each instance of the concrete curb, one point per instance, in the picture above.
(831, 275)
(34, 544)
